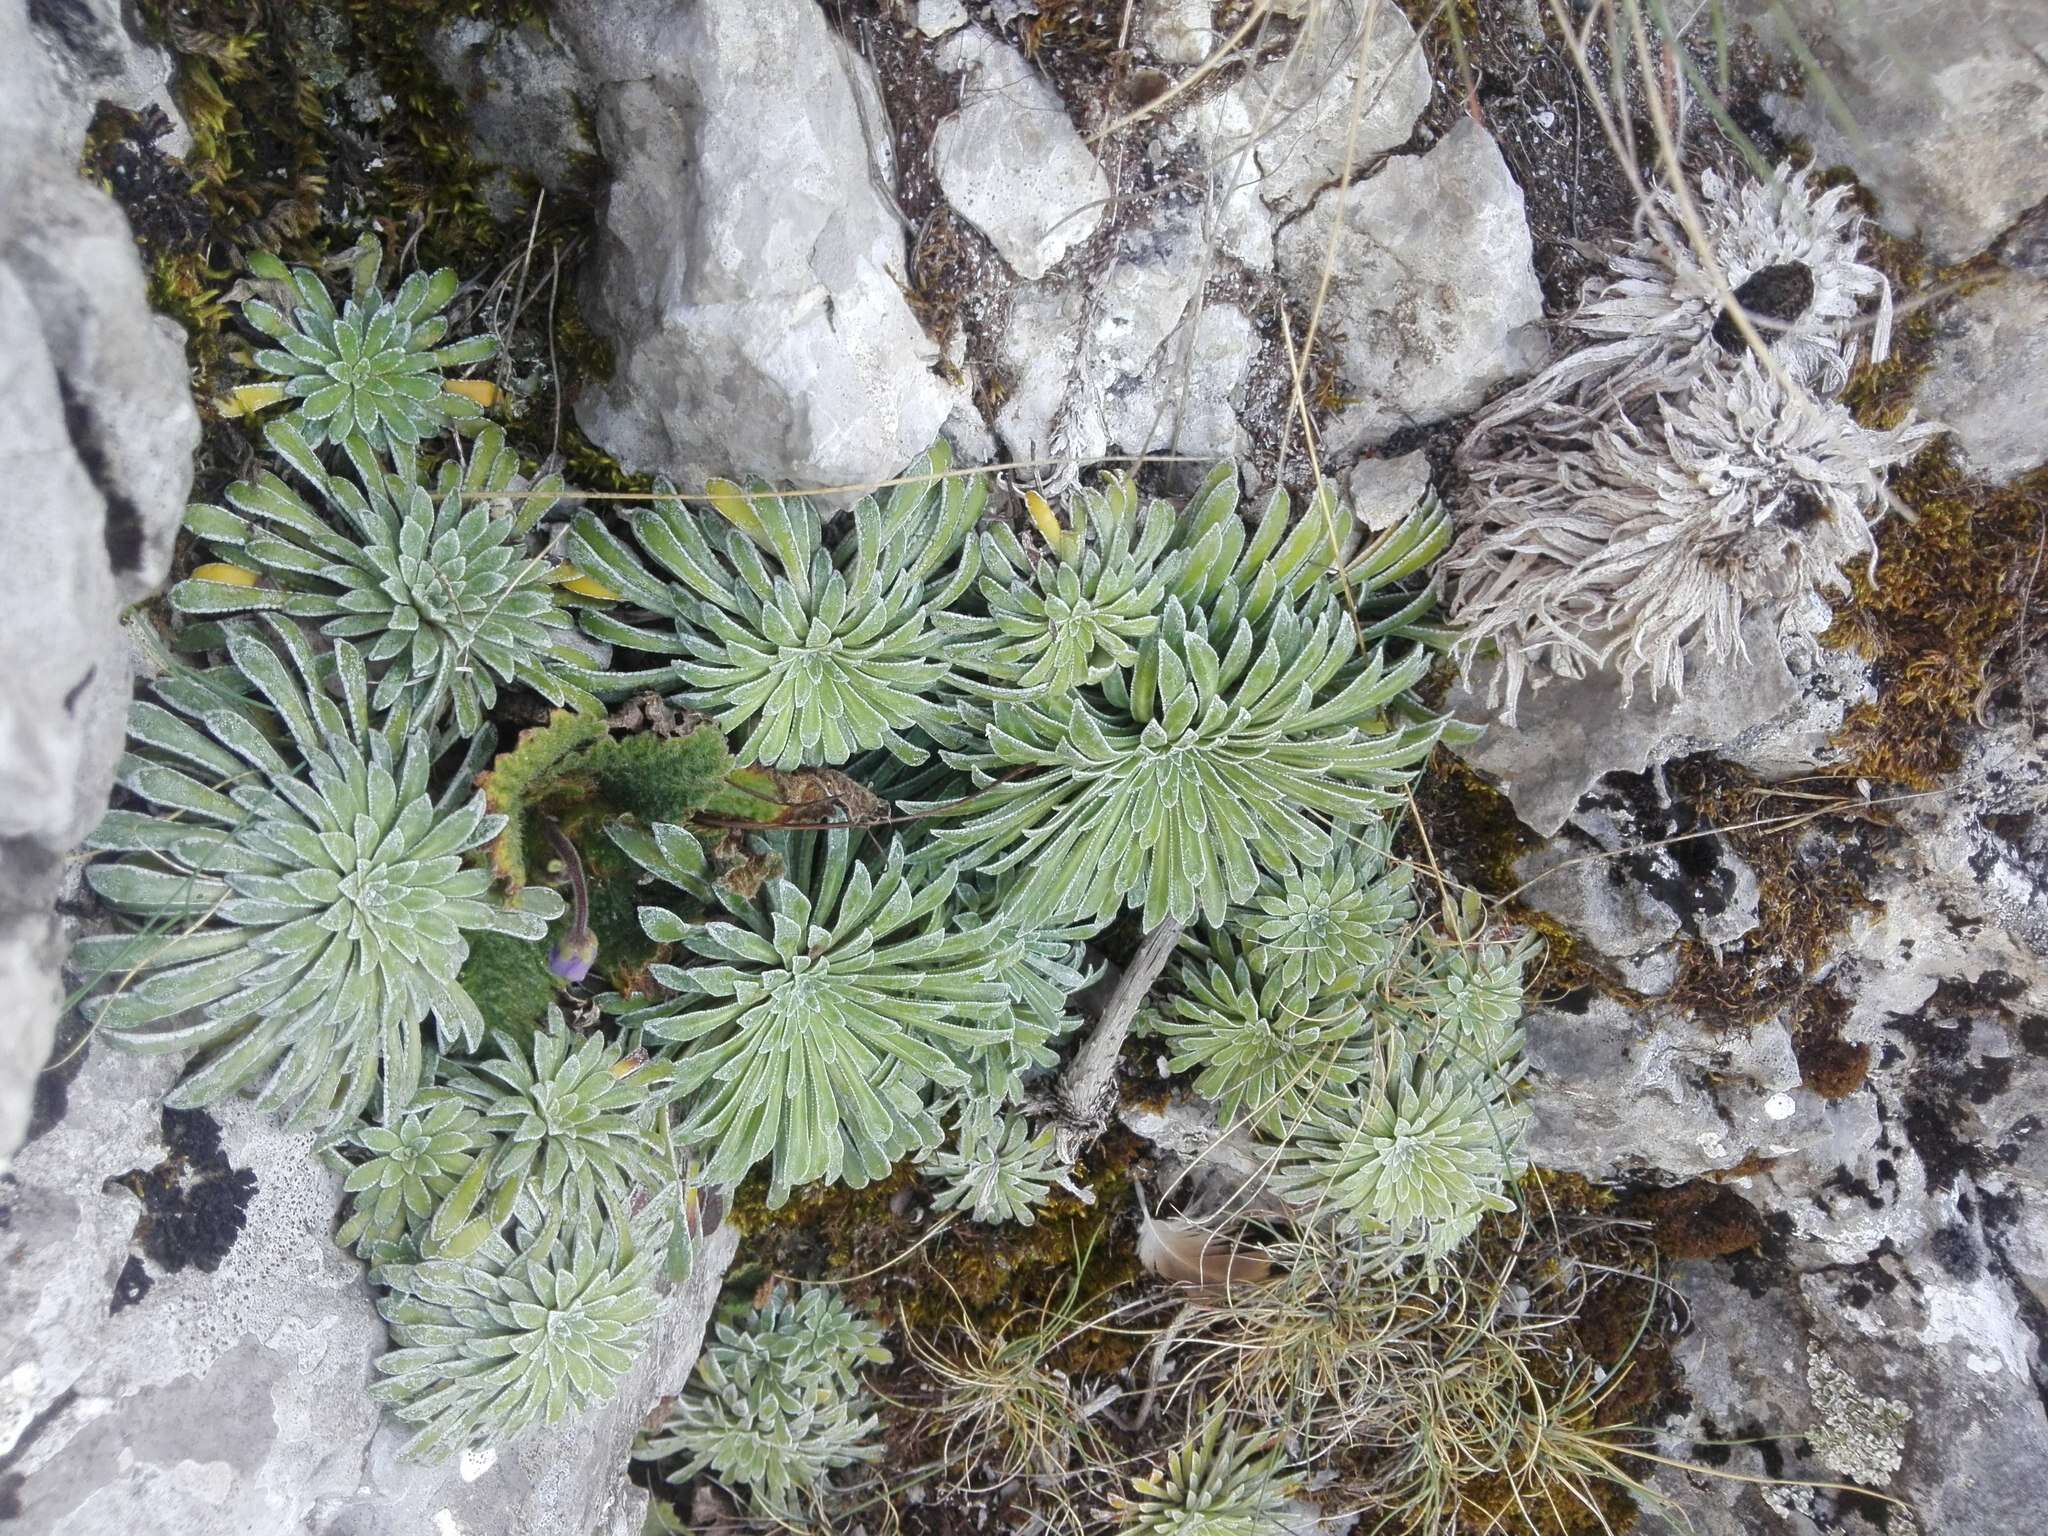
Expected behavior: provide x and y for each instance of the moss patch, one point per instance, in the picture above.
(1955, 602)
(1954, 611)
(870, 1240)
(1812, 854)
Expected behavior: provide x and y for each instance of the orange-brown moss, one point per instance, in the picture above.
(1698, 1220)
(1952, 600)
(1828, 1065)
(870, 1240)
(1956, 602)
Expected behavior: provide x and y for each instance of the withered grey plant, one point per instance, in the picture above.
(1792, 257)
(1630, 505)
(1657, 541)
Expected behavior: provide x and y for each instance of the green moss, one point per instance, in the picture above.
(616, 895)
(659, 778)
(509, 981)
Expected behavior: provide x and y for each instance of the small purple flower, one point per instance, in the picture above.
(572, 958)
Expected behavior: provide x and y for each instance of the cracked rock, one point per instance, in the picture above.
(1011, 160)
(1307, 117)
(751, 282)
(1434, 290)
(97, 432)
(188, 1350)
(1132, 361)
(1988, 381)
(1946, 107)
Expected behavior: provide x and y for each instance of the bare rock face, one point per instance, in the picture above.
(1350, 89)
(521, 95)
(1771, 710)
(1011, 160)
(1946, 104)
(750, 269)
(1135, 359)
(87, 53)
(181, 1313)
(1433, 286)
(1988, 382)
(97, 432)
(1888, 1331)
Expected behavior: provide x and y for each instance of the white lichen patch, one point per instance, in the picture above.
(1854, 1433)
(17, 1402)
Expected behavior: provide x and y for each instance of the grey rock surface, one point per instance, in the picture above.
(1620, 1094)
(87, 52)
(1433, 286)
(1890, 1331)
(935, 18)
(1349, 89)
(751, 282)
(199, 1363)
(226, 1372)
(1383, 491)
(1176, 31)
(1011, 160)
(1133, 360)
(1988, 381)
(1946, 108)
(1771, 711)
(97, 431)
(521, 91)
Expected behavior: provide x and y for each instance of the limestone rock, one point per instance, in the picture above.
(1616, 1095)
(193, 1362)
(1010, 159)
(935, 18)
(1383, 491)
(1988, 381)
(1134, 360)
(750, 269)
(1177, 31)
(1434, 291)
(1948, 103)
(97, 432)
(1306, 116)
(520, 90)
(1772, 711)
(88, 53)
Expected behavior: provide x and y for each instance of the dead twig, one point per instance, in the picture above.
(1085, 1097)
